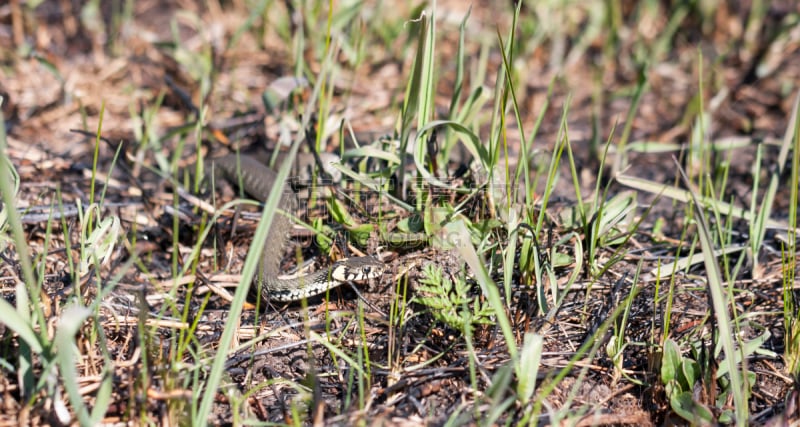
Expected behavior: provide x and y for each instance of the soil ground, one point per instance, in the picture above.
(62, 71)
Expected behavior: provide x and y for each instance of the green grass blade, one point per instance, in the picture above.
(17, 323)
(488, 287)
(719, 298)
(761, 220)
(685, 196)
(68, 325)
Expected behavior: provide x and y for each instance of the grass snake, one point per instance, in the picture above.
(257, 180)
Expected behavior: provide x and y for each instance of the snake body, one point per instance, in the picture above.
(257, 180)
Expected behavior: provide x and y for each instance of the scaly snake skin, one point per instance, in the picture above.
(258, 181)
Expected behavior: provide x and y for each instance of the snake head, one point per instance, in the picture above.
(357, 269)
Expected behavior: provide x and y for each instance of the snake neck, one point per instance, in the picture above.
(277, 240)
(259, 182)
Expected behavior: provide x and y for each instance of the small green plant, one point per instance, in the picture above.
(680, 375)
(699, 392)
(615, 349)
(358, 233)
(450, 301)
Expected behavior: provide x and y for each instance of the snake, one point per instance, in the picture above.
(258, 180)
